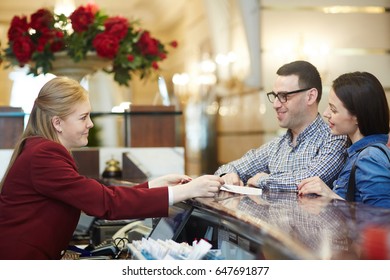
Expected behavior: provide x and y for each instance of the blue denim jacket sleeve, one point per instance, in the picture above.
(373, 177)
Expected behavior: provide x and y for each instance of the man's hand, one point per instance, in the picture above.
(232, 179)
(253, 181)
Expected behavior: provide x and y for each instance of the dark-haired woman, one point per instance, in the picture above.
(359, 109)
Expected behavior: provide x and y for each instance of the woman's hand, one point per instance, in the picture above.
(317, 186)
(203, 186)
(169, 180)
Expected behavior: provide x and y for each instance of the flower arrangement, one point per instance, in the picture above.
(130, 48)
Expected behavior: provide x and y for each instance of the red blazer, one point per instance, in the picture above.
(43, 195)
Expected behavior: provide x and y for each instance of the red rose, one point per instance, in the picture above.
(23, 48)
(18, 28)
(162, 56)
(130, 58)
(81, 18)
(52, 38)
(155, 65)
(43, 39)
(92, 7)
(174, 44)
(116, 26)
(41, 44)
(106, 45)
(57, 43)
(147, 44)
(42, 18)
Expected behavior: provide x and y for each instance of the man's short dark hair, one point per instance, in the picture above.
(308, 75)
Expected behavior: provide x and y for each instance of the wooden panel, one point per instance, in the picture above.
(11, 127)
(232, 147)
(132, 171)
(244, 122)
(155, 127)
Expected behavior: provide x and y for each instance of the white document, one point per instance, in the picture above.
(241, 190)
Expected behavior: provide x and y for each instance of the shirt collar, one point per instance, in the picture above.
(367, 141)
(309, 130)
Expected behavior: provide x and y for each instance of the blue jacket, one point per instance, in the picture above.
(372, 172)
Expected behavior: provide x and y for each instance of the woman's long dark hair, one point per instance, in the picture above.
(364, 97)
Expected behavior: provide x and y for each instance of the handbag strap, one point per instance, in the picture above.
(351, 182)
(351, 185)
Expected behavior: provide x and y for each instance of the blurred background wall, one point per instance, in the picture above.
(228, 53)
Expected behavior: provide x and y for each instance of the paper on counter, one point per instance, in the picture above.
(241, 190)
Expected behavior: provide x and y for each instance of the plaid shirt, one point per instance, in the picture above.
(317, 153)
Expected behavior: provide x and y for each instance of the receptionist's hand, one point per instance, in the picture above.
(169, 180)
(232, 179)
(203, 186)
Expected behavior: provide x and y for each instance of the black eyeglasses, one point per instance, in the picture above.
(282, 96)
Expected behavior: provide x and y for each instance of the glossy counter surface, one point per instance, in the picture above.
(287, 226)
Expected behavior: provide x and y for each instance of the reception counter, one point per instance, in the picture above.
(283, 225)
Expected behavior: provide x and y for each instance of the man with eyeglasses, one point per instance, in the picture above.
(307, 148)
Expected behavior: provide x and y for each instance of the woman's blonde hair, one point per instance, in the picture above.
(57, 97)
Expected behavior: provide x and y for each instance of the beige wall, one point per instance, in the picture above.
(357, 41)
(5, 83)
(354, 41)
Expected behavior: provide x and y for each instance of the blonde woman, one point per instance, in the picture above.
(42, 193)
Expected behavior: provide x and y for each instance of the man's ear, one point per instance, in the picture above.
(312, 94)
(56, 122)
